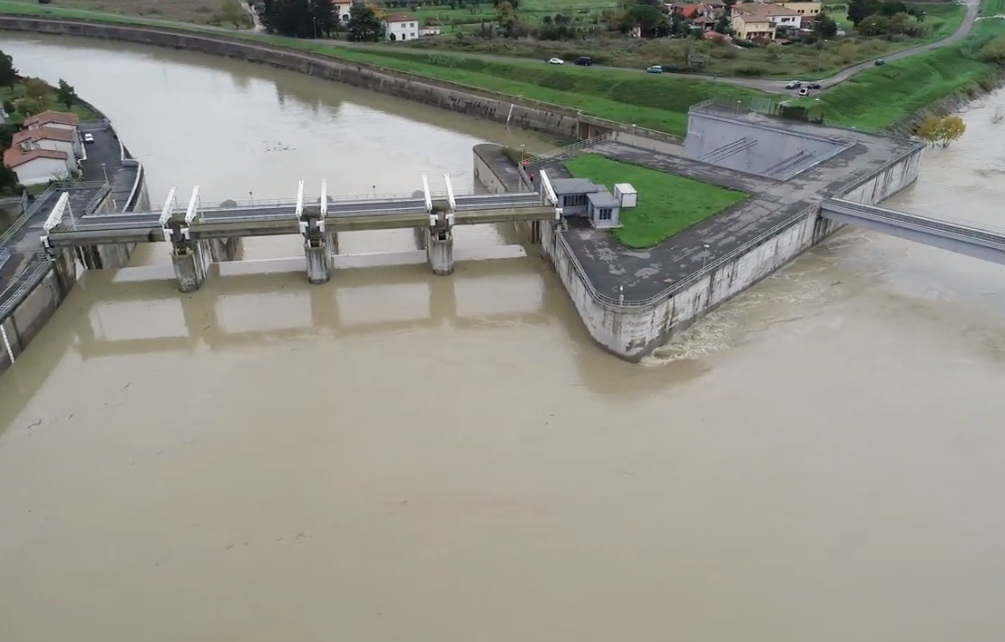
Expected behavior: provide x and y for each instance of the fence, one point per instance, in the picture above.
(27, 281)
(564, 152)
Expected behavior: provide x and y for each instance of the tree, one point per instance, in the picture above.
(30, 107)
(825, 27)
(66, 94)
(859, 10)
(875, 25)
(364, 26)
(941, 131)
(233, 11)
(8, 74)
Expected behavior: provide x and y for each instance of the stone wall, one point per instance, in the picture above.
(537, 116)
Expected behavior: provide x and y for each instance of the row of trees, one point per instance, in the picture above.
(886, 18)
(318, 19)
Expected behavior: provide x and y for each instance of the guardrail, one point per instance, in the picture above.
(27, 281)
(22, 220)
(565, 152)
(95, 201)
(617, 304)
(4, 257)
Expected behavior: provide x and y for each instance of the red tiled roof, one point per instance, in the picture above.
(763, 10)
(52, 117)
(399, 17)
(43, 133)
(15, 157)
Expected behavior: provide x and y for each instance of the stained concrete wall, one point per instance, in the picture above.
(542, 117)
(24, 323)
(707, 133)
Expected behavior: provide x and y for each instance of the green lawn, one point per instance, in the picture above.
(993, 8)
(18, 91)
(667, 205)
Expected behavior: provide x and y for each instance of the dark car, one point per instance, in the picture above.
(813, 85)
(584, 61)
(880, 62)
(794, 84)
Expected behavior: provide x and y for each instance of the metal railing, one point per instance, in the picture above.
(4, 257)
(565, 152)
(22, 220)
(95, 201)
(617, 304)
(27, 281)
(972, 229)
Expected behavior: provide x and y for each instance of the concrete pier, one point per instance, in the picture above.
(319, 263)
(440, 251)
(191, 263)
(222, 250)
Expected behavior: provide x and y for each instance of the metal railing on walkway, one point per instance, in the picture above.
(565, 152)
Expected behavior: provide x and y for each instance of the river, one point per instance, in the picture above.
(398, 456)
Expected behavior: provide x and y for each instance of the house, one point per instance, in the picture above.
(38, 166)
(401, 26)
(704, 24)
(579, 197)
(55, 119)
(51, 138)
(803, 8)
(759, 20)
(341, 11)
(430, 31)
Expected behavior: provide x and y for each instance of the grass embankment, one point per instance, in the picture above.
(794, 60)
(993, 8)
(879, 97)
(667, 203)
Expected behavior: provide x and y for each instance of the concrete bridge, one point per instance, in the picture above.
(200, 236)
(961, 237)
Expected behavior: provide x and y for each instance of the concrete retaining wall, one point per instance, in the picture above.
(24, 323)
(542, 117)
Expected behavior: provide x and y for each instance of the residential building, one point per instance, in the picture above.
(55, 119)
(52, 138)
(341, 11)
(803, 8)
(401, 26)
(755, 14)
(38, 166)
(430, 31)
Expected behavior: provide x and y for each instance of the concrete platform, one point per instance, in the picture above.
(646, 273)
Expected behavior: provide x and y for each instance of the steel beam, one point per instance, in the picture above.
(299, 211)
(324, 198)
(194, 206)
(546, 189)
(428, 196)
(170, 206)
(56, 216)
(450, 193)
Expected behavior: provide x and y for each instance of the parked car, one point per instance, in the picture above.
(814, 85)
(804, 91)
(555, 61)
(880, 62)
(88, 138)
(794, 84)
(584, 61)
(655, 69)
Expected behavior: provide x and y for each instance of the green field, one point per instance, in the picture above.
(993, 8)
(668, 204)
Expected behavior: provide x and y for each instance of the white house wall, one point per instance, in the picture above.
(40, 170)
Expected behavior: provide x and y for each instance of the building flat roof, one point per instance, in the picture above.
(568, 186)
(602, 198)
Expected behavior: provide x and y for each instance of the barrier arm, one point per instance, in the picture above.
(56, 217)
(548, 194)
(426, 194)
(324, 205)
(194, 206)
(451, 201)
(170, 207)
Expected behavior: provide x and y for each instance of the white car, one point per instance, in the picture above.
(88, 138)
(555, 61)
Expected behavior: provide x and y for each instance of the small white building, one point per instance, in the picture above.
(400, 26)
(54, 119)
(59, 140)
(341, 11)
(38, 166)
(626, 195)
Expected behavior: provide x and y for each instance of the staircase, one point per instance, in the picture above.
(722, 153)
(789, 167)
(563, 153)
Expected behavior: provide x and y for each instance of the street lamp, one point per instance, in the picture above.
(104, 170)
(704, 258)
(251, 197)
(315, 27)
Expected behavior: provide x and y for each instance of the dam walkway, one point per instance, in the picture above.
(201, 235)
(962, 237)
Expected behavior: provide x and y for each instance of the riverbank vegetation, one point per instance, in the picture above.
(667, 203)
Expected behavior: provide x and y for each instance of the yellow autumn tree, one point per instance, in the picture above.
(941, 131)
(379, 12)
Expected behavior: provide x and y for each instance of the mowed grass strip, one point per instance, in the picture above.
(667, 204)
